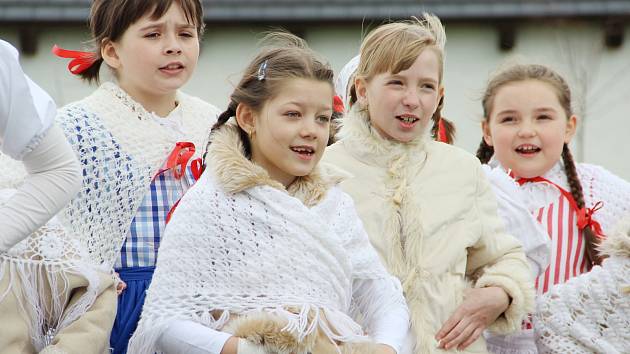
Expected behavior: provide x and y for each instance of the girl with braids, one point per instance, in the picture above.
(265, 254)
(135, 138)
(426, 205)
(527, 127)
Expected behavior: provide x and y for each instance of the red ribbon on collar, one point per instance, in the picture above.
(80, 62)
(178, 159)
(584, 215)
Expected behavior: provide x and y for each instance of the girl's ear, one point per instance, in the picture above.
(571, 127)
(109, 53)
(487, 134)
(360, 88)
(246, 118)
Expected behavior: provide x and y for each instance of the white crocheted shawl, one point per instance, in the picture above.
(590, 313)
(39, 268)
(120, 147)
(239, 243)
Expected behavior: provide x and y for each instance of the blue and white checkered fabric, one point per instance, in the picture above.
(143, 240)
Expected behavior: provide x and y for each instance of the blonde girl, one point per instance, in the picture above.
(528, 125)
(265, 254)
(135, 138)
(426, 205)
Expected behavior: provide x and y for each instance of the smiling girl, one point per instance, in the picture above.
(528, 125)
(426, 205)
(134, 138)
(265, 254)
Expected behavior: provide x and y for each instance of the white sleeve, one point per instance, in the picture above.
(518, 221)
(54, 177)
(26, 111)
(384, 310)
(188, 337)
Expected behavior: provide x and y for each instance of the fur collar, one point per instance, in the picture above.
(618, 242)
(235, 173)
(368, 145)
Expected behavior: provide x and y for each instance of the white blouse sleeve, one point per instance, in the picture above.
(54, 177)
(519, 222)
(26, 116)
(26, 111)
(384, 310)
(188, 337)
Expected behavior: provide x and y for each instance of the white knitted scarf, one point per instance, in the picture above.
(240, 244)
(120, 147)
(591, 312)
(41, 264)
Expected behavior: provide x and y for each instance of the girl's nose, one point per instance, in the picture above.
(411, 98)
(527, 129)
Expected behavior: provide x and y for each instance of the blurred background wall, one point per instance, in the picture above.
(586, 40)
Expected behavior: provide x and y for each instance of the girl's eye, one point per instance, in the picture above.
(292, 114)
(544, 117)
(152, 35)
(186, 34)
(428, 86)
(507, 119)
(323, 119)
(395, 82)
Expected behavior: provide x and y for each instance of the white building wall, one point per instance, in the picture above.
(472, 55)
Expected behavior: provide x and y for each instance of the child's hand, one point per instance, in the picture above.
(481, 307)
(120, 285)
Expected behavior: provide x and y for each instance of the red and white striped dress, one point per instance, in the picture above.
(568, 245)
(568, 249)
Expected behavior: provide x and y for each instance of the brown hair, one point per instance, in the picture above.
(394, 47)
(524, 72)
(109, 19)
(283, 56)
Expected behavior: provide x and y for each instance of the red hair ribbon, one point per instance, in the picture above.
(80, 62)
(442, 132)
(585, 218)
(584, 215)
(338, 104)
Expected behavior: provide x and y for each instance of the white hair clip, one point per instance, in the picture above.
(262, 71)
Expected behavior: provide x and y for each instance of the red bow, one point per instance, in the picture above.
(585, 218)
(178, 160)
(80, 62)
(337, 104)
(585, 215)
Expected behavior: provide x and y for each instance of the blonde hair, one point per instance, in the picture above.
(394, 47)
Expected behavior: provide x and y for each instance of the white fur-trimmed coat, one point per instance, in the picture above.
(430, 213)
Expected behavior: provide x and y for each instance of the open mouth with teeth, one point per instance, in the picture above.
(527, 149)
(407, 121)
(304, 152)
(172, 67)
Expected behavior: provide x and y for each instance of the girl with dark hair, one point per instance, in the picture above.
(527, 127)
(265, 254)
(135, 138)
